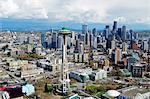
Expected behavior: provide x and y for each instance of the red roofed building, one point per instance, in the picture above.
(13, 91)
(135, 46)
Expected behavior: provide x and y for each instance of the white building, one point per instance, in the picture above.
(98, 74)
(31, 73)
(83, 75)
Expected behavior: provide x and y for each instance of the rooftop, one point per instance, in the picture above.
(132, 92)
(64, 31)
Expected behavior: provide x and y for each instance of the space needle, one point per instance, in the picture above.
(64, 75)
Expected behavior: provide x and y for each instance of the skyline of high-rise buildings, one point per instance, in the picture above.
(82, 56)
(74, 49)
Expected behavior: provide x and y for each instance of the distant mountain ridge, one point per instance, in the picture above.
(45, 25)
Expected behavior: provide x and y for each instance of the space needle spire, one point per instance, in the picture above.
(64, 76)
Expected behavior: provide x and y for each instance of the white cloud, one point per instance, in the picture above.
(120, 19)
(32, 9)
(98, 11)
(7, 8)
(26, 9)
(144, 20)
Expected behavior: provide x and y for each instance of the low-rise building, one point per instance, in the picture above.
(47, 65)
(125, 72)
(81, 77)
(3, 75)
(84, 75)
(137, 70)
(28, 67)
(134, 92)
(31, 73)
(98, 74)
(14, 65)
(4, 95)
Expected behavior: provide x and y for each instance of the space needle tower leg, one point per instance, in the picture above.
(64, 76)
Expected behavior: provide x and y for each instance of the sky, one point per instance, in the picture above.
(83, 11)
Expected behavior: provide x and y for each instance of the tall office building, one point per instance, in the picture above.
(82, 37)
(115, 27)
(103, 39)
(76, 37)
(117, 55)
(104, 32)
(107, 26)
(131, 38)
(149, 45)
(54, 40)
(52, 30)
(136, 36)
(87, 38)
(128, 37)
(50, 41)
(113, 43)
(124, 33)
(113, 55)
(107, 31)
(124, 46)
(68, 42)
(131, 34)
(99, 39)
(95, 42)
(77, 45)
(81, 48)
(84, 29)
(119, 32)
(94, 32)
(145, 45)
(73, 34)
(148, 66)
(91, 38)
(60, 42)
(29, 39)
(43, 39)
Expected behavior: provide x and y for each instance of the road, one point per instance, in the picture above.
(86, 94)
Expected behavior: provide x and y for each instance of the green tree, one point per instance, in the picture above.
(99, 94)
(91, 89)
(101, 88)
(46, 88)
